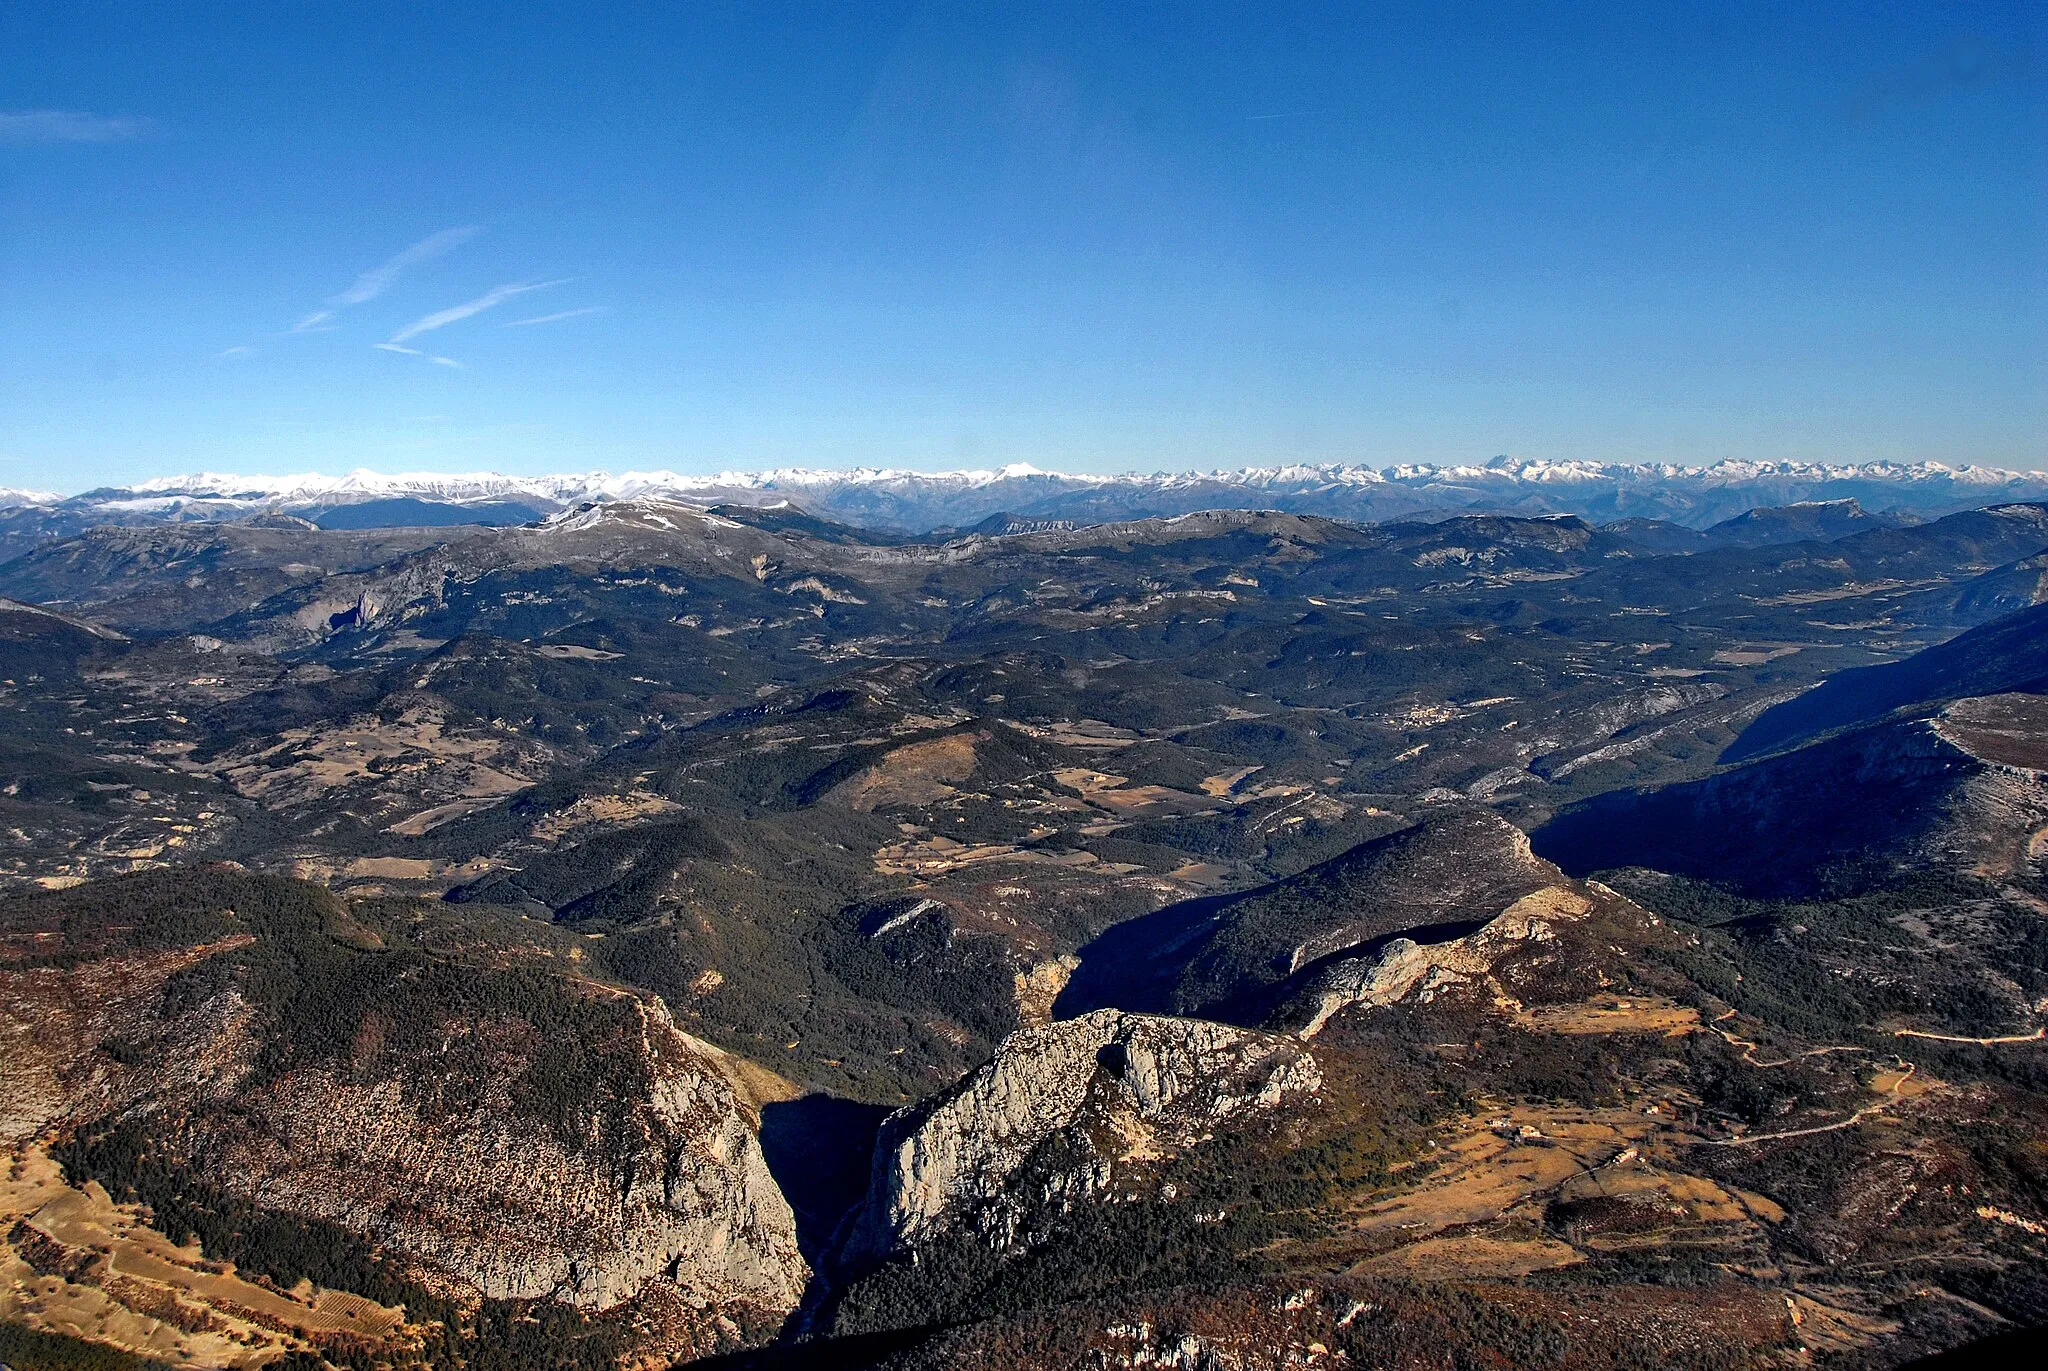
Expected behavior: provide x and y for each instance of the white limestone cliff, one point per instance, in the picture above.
(1106, 1088)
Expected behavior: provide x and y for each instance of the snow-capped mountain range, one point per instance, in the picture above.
(915, 501)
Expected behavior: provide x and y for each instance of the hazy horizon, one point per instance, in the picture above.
(369, 477)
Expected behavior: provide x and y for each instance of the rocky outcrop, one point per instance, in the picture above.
(672, 1189)
(2007, 733)
(515, 1134)
(1225, 957)
(1459, 899)
(1051, 1118)
(1404, 968)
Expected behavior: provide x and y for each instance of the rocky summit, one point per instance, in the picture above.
(1102, 1088)
(1525, 915)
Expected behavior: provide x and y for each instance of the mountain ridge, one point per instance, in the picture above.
(910, 500)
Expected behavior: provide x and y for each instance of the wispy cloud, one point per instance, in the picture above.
(378, 279)
(69, 126)
(554, 318)
(236, 351)
(490, 299)
(415, 352)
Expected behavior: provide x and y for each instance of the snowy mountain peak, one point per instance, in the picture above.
(919, 501)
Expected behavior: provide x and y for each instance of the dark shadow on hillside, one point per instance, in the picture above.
(2023, 1347)
(1262, 1008)
(1130, 966)
(1225, 956)
(1828, 816)
(2006, 654)
(819, 1149)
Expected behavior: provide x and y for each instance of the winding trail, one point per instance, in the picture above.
(1849, 1122)
(1749, 1049)
(2036, 1036)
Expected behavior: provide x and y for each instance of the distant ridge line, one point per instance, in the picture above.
(1028, 496)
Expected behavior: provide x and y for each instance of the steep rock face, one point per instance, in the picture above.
(511, 1131)
(180, 577)
(673, 1188)
(1404, 967)
(1082, 1095)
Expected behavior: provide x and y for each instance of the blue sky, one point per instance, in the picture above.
(1095, 237)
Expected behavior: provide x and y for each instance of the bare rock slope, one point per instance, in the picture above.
(674, 1189)
(1049, 1120)
(493, 1123)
